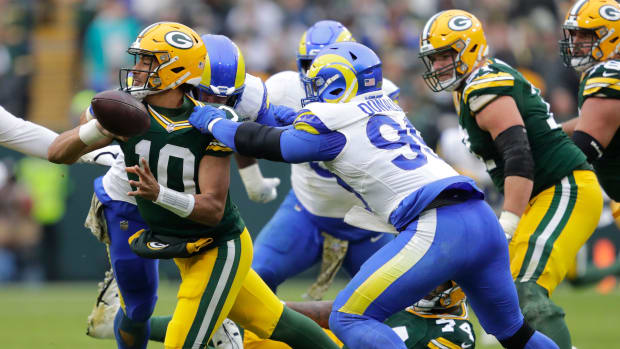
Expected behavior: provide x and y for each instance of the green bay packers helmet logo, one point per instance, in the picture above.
(154, 245)
(460, 23)
(179, 40)
(609, 12)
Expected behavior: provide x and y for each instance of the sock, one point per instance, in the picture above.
(299, 332)
(542, 314)
(159, 325)
(539, 340)
(359, 331)
(130, 334)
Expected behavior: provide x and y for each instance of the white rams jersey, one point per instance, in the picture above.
(24, 136)
(384, 158)
(317, 191)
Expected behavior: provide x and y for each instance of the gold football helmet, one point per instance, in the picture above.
(177, 56)
(444, 297)
(454, 31)
(599, 24)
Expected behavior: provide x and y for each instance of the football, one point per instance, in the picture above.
(120, 113)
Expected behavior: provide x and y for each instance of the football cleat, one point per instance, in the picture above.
(227, 336)
(101, 319)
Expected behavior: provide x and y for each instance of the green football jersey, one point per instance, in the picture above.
(603, 81)
(555, 155)
(173, 149)
(420, 331)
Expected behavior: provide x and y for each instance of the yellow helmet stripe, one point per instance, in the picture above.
(344, 35)
(206, 74)
(240, 76)
(303, 49)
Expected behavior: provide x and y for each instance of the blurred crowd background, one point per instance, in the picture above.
(56, 54)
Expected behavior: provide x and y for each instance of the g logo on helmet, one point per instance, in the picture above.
(460, 23)
(179, 40)
(609, 12)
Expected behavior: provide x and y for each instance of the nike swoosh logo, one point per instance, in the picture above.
(605, 74)
(376, 238)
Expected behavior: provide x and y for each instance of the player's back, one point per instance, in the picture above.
(383, 158)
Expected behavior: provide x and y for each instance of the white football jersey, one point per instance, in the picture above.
(24, 136)
(384, 158)
(320, 193)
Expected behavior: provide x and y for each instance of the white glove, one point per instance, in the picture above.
(227, 336)
(259, 189)
(509, 222)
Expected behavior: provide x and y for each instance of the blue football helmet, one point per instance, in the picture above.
(224, 73)
(321, 34)
(342, 71)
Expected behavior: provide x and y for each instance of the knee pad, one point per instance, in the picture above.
(535, 304)
(138, 287)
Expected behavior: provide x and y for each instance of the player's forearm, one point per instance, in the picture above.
(318, 311)
(68, 147)
(208, 209)
(517, 192)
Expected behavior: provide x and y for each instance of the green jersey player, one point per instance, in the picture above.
(552, 199)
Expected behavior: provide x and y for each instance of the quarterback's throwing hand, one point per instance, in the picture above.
(147, 187)
(204, 117)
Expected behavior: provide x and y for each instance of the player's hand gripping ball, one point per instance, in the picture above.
(121, 114)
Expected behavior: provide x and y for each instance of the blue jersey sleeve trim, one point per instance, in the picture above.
(300, 146)
(411, 206)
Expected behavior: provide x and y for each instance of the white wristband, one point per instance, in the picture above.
(251, 175)
(180, 203)
(213, 122)
(509, 222)
(89, 133)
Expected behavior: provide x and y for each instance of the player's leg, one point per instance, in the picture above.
(259, 310)
(289, 243)
(360, 250)
(485, 277)
(400, 273)
(137, 277)
(210, 282)
(545, 246)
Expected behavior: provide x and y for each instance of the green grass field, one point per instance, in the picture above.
(54, 316)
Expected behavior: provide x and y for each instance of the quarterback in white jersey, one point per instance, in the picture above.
(366, 141)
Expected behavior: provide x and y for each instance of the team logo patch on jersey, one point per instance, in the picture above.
(609, 12)
(179, 40)
(124, 225)
(460, 23)
(154, 245)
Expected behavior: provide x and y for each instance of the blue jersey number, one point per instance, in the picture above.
(385, 133)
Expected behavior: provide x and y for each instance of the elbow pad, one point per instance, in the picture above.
(514, 146)
(263, 142)
(588, 145)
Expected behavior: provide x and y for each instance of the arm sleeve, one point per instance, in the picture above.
(24, 136)
(300, 146)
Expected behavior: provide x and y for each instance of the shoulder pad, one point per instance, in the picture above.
(487, 80)
(390, 89)
(284, 88)
(603, 80)
(307, 121)
(253, 99)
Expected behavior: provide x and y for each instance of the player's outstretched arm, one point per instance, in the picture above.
(264, 142)
(70, 145)
(206, 208)
(24, 136)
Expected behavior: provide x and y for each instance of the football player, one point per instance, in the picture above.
(366, 140)
(115, 216)
(308, 226)
(552, 199)
(590, 46)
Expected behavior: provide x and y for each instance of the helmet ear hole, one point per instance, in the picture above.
(177, 69)
(474, 48)
(613, 41)
(353, 56)
(336, 91)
